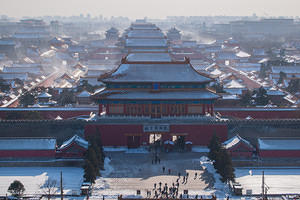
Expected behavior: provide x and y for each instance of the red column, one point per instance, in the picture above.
(186, 109)
(207, 107)
(203, 109)
(100, 109)
(107, 109)
(211, 109)
(168, 109)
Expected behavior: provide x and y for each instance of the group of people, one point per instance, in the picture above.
(164, 191)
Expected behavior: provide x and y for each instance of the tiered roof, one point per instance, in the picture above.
(170, 95)
(174, 71)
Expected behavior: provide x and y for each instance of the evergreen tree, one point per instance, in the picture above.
(4, 86)
(66, 97)
(262, 97)
(91, 156)
(27, 99)
(16, 188)
(294, 85)
(246, 98)
(224, 166)
(94, 159)
(86, 86)
(98, 153)
(89, 172)
(214, 147)
(282, 76)
(222, 160)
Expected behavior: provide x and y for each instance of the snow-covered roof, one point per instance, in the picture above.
(152, 57)
(32, 70)
(273, 91)
(7, 42)
(58, 118)
(11, 76)
(44, 95)
(27, 143)
(145, 34)
(143, 42)
(235, 141)
(279, 143)
(84, 94)
(233, 84)
(230, 96)
(242, 54)
(112, 30)
(78, 140)
(170, 95)
(216, 72)
(286, 69)
(170, 72)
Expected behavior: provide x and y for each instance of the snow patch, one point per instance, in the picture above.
(221, 190)
(200, 149)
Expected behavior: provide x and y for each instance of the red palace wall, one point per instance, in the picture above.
(27, 153)
(50, 114)
(116, 134)
(279, 153)
(66, 113)
(240, 154)
(260, 114)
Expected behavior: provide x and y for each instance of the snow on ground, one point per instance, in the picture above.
(200, 149)
(34, 177)
(279, 180)
(221, 189)
(125, 173)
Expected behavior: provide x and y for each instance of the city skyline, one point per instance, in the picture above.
(152, 9)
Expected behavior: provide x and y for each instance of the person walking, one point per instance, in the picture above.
(163, 168)
(169, 171)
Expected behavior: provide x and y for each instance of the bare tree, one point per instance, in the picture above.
(50, 187)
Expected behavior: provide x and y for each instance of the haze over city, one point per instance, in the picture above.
(153, 9)
(149, 99)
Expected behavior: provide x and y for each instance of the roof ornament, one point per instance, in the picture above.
(186, 60)
(123, 60)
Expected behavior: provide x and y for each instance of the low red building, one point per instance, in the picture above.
(279, 147)
(27, 148)
(239, 147)
(75, 147)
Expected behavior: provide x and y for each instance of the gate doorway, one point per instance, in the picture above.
(179, 142)
(155, 141)
(133, 141)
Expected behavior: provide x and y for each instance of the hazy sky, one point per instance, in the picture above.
(149, 8)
